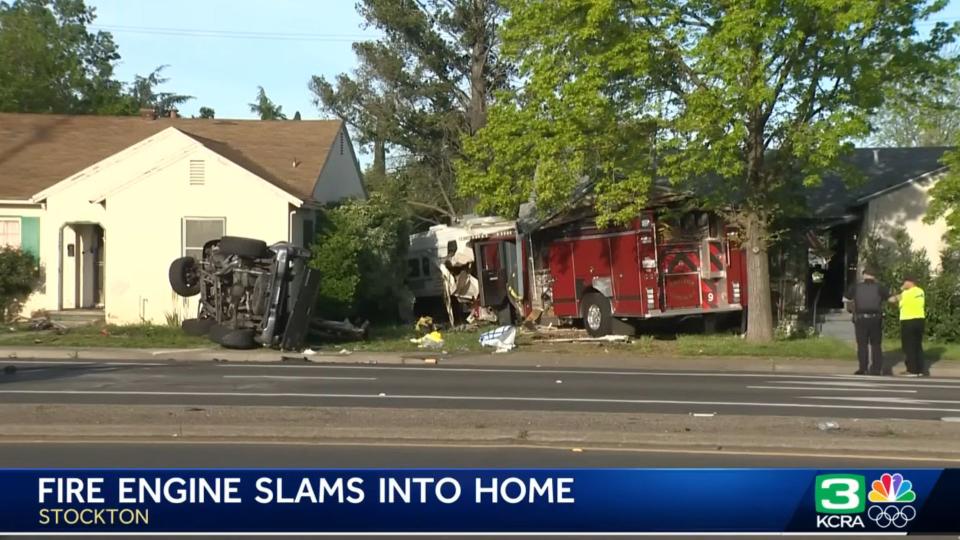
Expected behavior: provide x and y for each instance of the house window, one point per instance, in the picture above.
(199, 231)
(10, 232)
(413, 268)
(451, 248)
(425, 264)
(197, 172)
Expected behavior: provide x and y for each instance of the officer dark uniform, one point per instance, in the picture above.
(866, 301)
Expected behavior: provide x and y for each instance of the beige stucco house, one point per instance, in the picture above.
(106, 203)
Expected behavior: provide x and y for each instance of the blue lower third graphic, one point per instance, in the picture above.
(590, 501)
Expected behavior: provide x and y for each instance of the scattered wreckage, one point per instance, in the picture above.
(254, 295)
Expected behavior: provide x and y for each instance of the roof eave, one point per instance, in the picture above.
(891, 189)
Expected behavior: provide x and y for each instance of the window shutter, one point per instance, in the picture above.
(30, 236)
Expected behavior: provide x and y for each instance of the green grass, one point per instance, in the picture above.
(129, 336)
(397, 339)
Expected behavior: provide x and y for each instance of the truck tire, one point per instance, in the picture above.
(185, 277)
(197, 327)
(238, 339)
(243, 247)
(217, 331)
(597, 315)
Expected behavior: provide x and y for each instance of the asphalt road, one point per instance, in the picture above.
(600, 390)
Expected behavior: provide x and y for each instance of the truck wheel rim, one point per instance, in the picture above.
(594, 317)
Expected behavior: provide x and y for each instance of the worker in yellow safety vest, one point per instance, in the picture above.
(912, 318)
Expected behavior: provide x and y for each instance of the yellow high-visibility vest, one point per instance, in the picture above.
(912, 304)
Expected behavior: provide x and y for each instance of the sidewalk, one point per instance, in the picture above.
(516, 359)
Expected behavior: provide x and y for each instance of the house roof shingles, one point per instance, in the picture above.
(39, 150)
(881, 169)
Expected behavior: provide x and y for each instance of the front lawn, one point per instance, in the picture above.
(139, 336)
(397, 339)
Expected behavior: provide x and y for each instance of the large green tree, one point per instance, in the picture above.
(51, 62)
(419, 90)
(145, 94)
(945, 201)
(265, 108)
(925, 114)
(739, 101)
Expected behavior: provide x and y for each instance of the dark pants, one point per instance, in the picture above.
(869, 332)
(911, 337)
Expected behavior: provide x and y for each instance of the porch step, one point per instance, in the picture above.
(838, 325)
(77, 317)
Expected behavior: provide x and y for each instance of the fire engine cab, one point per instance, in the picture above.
(662, 264)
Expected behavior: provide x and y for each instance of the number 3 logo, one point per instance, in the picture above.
(840, 494)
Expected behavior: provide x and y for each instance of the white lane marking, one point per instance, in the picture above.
(831, 389)
(548, 371)
(299, 378)
(487, 398)
(907, 401)
(870, 385)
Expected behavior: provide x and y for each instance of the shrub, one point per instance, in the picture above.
(19, 276)
(897, 259)
(360, 251)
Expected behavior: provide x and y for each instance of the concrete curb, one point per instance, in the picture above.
(519, 359)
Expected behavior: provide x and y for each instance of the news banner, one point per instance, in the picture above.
(481, 501)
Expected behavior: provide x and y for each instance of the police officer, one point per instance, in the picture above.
(912, 318)
(866, 301)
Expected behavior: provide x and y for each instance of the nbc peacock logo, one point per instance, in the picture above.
(892, 488)
(890, 497)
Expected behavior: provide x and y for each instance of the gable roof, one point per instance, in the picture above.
(39, 150)
(883, 170)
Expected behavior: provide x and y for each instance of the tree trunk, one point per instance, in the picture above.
(478, 86)
(760, 311)
(380, 158)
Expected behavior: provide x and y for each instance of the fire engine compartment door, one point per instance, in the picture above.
(492, 267)
(680, 268)
(627, 299)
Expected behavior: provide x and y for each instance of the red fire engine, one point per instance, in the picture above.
(661, 265)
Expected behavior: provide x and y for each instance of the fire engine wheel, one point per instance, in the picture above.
(597, 315)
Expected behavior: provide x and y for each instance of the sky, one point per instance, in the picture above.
(220, 50)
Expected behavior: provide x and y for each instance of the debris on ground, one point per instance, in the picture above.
(308, 352)
(44, 322)
(340, 329)
(433, 340)
(424, 326)
(828, 426)
(602, 339)
(344, 352)
(502, 338)
(703, 415)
